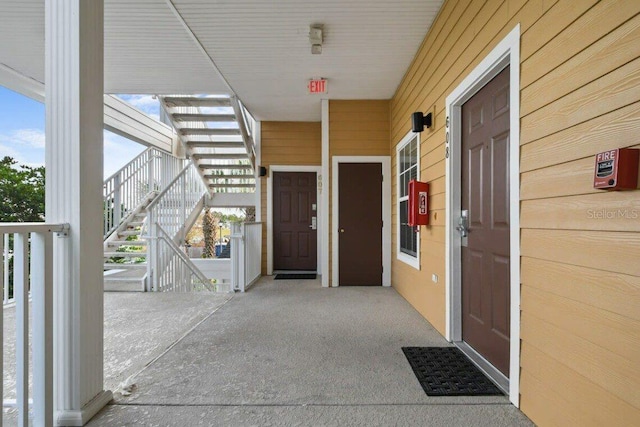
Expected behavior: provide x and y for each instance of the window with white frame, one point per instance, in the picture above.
(408, 166)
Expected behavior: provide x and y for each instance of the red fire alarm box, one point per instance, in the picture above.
(617, 169)
(418, 203)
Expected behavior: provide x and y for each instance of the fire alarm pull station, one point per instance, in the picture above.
(418, 203)
(617, 169)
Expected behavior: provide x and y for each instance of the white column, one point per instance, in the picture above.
(74, 122)
(324, 195)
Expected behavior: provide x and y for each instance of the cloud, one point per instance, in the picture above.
(118, 151)
(30, 137)
(26, 146)
(148, 104)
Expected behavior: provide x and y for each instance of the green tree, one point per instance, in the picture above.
(21, 192)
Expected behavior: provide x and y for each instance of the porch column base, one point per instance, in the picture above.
(79, 418)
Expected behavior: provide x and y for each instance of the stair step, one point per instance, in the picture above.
(209, 131)
(189, 101)
(224, 167)
(212, 176)
(125, 254)
(135, 224)
(237, 156)
(216, 144)
(130, 233)
(185, 117)
(127, 243)
(232, 185)
(118, 266)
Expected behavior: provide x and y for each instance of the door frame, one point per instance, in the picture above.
(506, 53)
(290, 168)
(385, 161)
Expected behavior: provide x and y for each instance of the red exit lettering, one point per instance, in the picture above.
(317, 86)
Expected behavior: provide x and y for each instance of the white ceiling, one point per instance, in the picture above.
(260, 47)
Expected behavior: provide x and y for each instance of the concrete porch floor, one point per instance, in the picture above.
(292, 353)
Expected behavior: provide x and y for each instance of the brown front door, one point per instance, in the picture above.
(485, 195)
(360, 224)
(294, 221)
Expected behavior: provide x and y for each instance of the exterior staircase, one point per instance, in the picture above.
(152, 202)
(217, 134)
(125, 255)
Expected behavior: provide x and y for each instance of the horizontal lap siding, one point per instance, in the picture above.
(356, 128)
(580, 94)
(286, 143)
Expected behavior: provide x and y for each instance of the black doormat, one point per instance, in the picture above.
(292, 276)
(446, 371)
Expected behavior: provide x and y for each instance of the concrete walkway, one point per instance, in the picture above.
(293, 353)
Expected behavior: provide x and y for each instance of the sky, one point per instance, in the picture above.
(22, 136)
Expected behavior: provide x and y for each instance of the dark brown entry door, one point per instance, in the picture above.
(485, 195)
(360, 224)
(294, 221)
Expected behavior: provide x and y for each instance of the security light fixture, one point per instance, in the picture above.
(419, 121)
(316, 38)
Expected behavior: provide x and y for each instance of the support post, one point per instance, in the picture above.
(73, 156)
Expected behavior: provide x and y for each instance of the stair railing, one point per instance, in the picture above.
(171, 212)
(151, 171)
(175, 272)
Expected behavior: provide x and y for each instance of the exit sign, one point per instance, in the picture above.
(317, 86)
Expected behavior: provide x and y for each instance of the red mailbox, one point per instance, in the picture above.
(617, 169)
(418, 203)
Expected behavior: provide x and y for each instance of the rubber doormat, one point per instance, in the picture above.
(292, 276)
(446, 371)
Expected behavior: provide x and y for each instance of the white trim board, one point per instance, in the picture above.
(386, 214)
(401, 256)
(506, 53)
(324, 183)
(319, 212)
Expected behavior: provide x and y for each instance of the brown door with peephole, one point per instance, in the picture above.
(294, 221)
(485, 196)
(359, 224)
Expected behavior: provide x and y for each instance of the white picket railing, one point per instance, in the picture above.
(246, 254)
(149, 172)
(170, 211)
(174, 271)
(32, 280)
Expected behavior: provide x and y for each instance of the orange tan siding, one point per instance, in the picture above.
(580, 94)
(286, 143)
(356, 128)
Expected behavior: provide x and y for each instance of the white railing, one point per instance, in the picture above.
(246, 254)
(172, 207)
(126, 189)
(173, 270)
(32, 281)
(171, 211)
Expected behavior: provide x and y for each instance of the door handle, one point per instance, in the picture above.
(341, 230)
(463, 223)
(314, 223)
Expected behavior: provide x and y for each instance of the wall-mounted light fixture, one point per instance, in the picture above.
(419, 121)
(316, 38)
(262, 171)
